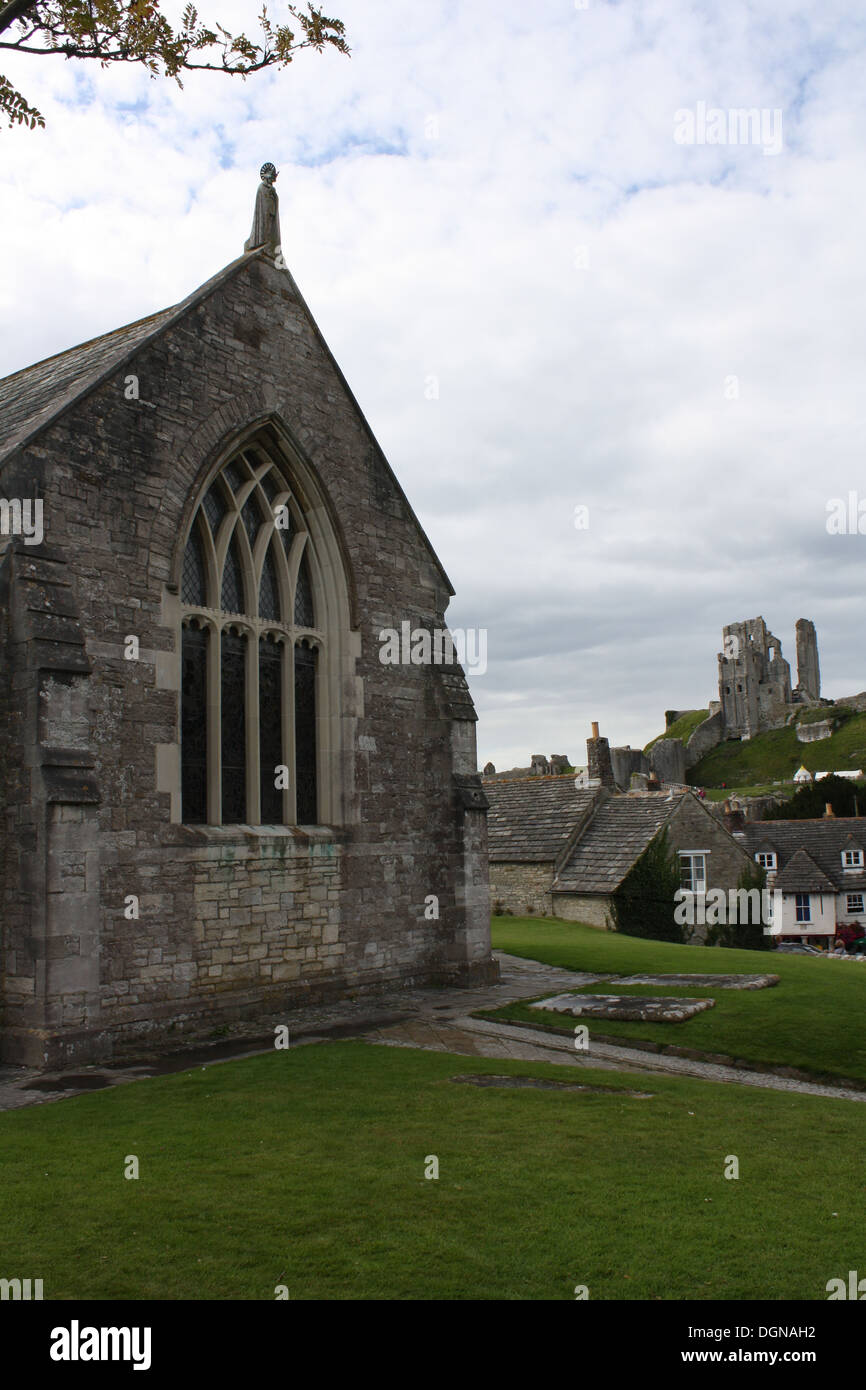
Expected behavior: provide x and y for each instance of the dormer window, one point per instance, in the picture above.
(852, 859)
(767, 860)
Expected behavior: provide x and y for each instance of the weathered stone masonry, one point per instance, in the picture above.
(234, 920)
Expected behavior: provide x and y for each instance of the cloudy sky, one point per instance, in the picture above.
(552, 286)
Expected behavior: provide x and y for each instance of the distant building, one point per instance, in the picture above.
(755, 692)
(559, 850)
(819, 867)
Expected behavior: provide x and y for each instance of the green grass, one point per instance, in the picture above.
(783, 790)
(812, 1020)
(776, 756)
(683, 727)
(306, 1168)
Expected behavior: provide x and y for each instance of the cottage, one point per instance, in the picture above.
(819, 868)
(563, 850)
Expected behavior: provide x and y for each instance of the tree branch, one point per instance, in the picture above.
(16, 9)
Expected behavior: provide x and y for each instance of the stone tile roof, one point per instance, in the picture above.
(617, 835)
(822, 841)
(802, 875)
(531, 820)
(29, 399)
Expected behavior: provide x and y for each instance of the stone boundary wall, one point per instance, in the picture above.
(522, 888)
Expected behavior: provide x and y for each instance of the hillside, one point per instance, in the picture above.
(775, 756)
(682, 728)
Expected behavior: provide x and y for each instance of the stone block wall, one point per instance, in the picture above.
(524, 889)
(590, 908)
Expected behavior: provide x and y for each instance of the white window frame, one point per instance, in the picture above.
(690, 856)
(802, 903)
(766, 859)
(854, 911)
(852, 859)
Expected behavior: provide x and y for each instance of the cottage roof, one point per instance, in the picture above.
(617, 835)
(802, 875)
(821, 841)
(531, 819)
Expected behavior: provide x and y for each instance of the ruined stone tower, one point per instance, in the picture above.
(808, 671)
(755, 691)
(754, 679)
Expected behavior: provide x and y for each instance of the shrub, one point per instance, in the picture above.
(643, 905)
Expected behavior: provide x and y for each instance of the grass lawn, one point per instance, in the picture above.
(783, 790)
(306, 1168)
(813, 1019)
(682, 728)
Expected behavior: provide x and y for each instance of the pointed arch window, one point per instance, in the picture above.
(251, 651)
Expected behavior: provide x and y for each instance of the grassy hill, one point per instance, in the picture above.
(682, 728)
(775, 756)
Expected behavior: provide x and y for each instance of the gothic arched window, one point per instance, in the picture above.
(250, 652)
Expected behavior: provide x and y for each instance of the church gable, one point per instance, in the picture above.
(255, 807)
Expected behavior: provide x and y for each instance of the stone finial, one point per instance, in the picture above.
(266, 216)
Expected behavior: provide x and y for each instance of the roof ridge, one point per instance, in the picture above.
(68, 396)
(88, 343)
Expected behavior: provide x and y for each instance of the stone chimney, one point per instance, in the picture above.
(598, 764)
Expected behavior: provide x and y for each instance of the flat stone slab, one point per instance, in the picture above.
(542, 1084)
(625, 1006)
(702, 981)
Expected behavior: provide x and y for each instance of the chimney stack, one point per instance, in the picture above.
(829, 813)
(599, 768)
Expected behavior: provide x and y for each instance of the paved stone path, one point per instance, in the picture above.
(432, 1019)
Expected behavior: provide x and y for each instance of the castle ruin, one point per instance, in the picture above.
(755, 692)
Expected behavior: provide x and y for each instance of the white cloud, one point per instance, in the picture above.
(434, 191)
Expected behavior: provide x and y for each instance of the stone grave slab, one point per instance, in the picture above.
(629, 1007)
(701, 981)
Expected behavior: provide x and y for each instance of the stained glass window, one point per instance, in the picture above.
(234, 475)
(233, 710)
(193, 724)
(270, 728)
(252, 518)
(304, 616)
(214, 506)
(305, 736)
(249, 700)
(193, 580)
(232, 596)
(269, 593)
(283, 523)
(270, 485)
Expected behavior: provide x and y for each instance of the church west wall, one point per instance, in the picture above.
(233, 920)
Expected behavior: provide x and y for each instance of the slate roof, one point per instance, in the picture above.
(802, 875)
(531, 820)
(821, 841)
(29, 399)
(617, 835)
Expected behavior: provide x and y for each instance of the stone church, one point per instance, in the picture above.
(217, 800)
